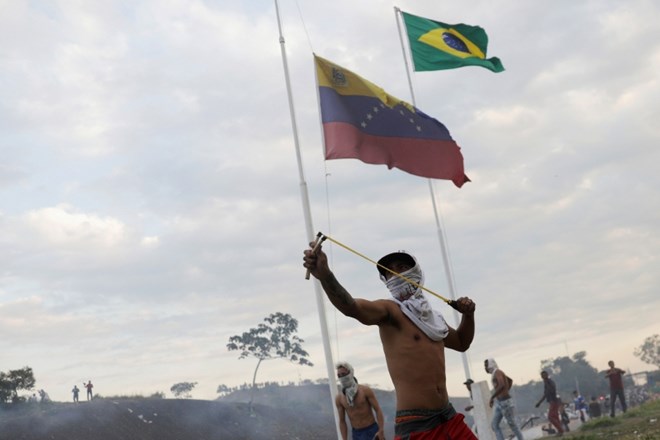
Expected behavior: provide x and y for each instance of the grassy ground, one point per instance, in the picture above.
(640, 423)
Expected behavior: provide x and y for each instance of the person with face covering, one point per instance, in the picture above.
(501, 398)
(359, 403)
(414, 338)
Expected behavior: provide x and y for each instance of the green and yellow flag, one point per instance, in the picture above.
(437, 46)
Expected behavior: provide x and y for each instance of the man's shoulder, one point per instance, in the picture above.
(387, 302)
(393, 310)
(396, 318)
(365, 388)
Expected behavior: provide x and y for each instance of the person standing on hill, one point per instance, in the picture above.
(615, 375)
(89, 387)
(359, 403)
(414, 337)
(502, 400)
(75, 392)
(550, 395)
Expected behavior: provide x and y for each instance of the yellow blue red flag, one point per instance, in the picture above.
(362, 121)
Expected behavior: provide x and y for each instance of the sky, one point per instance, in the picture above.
(151, 201)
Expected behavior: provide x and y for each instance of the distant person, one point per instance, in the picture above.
(580, 405)
(43, 396)
(89, 387)
(550, 395)
(502, 400)
(75, 392)
(615, 375)
(468, 384)
(595, 410)
(563, 416)
(359, 403)
(414, 338)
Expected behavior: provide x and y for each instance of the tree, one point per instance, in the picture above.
(276, 339)
(182, 389)
(649, 351)
(15, 380)
(223, 390)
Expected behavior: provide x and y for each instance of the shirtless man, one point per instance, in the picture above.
(414, 338)
(359, 403)
(502, 400)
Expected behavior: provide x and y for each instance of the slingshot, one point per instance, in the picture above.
(320, 238)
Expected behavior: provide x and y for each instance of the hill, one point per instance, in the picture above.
(279, 412)
(160, 419)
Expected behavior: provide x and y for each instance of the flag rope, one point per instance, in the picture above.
(326, 237)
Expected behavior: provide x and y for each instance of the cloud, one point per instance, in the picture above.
(151, 199)
(60, 226)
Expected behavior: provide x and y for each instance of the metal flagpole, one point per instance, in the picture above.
(438, 224)
(310, 230)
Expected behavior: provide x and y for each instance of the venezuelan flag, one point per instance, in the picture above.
(362, 121)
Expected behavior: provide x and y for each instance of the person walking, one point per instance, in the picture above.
(550, 395)
(615, 375)
(413, 337)
(359, 403)
(502, 400)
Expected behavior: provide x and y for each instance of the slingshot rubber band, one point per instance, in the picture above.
(325, 237)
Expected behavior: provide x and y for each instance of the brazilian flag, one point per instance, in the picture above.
(437, 46)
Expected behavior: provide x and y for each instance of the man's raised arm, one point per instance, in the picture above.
(367, 312)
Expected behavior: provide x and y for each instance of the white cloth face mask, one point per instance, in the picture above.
(400, 288)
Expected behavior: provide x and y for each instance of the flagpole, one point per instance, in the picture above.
(438, 220)
(320, 305)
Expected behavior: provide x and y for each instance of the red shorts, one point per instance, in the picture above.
(432, 427)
